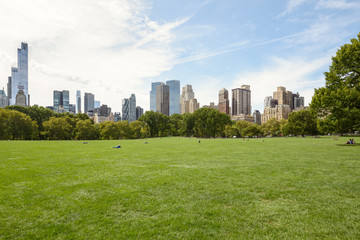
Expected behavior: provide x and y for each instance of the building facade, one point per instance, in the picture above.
(19, 76)
(283, 96)
(257, 117)
(298, 101)
(125, 109)
(278, 112)
(89, 102)
(139, 112)
(4, 101)
(241, 101)
(132, 108)
(188, 102)
(174, 96)
(153, 95)
(224, 104)
(78, 101)
(162, 99)
(61, 101)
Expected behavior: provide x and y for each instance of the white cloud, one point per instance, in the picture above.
(296, 75)
(101, 46)
(291, 6)
(337, 4)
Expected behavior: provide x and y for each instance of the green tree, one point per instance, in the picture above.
(86, 130)
(16, 125)
(124, 129)
(210, 122)
(175, 124)
(240, 126)
(40, 115)
(271, 128)
(339, 100)
(135, 129)
(303, 122)
(252, 130)
(109, 130)
(57, 128)
(156, 123)
(187, 125)
(230, 131)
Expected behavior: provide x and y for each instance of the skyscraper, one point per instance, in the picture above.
(78, 101)
(139, 112)
(174, 96)
(257, 116)
(4, 101)
(89, 101)
(153, 95)
(297, 101)
(61, 101)
(19, 76)
(125, 109)
(224, 105)
(162, 99)
(132, 108)
(284, 97)
(188, 102)
(241, 100)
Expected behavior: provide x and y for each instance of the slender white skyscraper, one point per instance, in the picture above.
(132, 108)
(78, 101)
(19, 76)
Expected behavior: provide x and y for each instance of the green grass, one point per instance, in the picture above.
(177, 188)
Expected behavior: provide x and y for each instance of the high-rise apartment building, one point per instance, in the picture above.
(153, 95)
(4, 101)
(174, 96)
(224, 105)
(139, 112)
(162, 99)
(284, 97)
(78, 101)
(125, 109)
(89, 102)
(267, 101)
(117, 116)
(297, 101)
(257, 116)
(132, 108)
(188, 102)
(19, 77)
(61, 101)
(241, 100)
(97, 104)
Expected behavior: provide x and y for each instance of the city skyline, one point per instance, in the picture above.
(207, 44)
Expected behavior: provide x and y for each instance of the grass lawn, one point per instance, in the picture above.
(178, 188)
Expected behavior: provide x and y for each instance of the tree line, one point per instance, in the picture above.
(25, 123)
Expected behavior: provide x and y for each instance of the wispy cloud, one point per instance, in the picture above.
(337, 4)
(291, 6)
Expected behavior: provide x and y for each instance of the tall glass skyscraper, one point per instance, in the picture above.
(174, 96)
(61, 101)
(19, 76)
(132, 108)
(125, 109)
(78, 101)
(89, 101)
(153, 95)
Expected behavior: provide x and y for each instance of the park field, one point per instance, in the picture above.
(178, 188)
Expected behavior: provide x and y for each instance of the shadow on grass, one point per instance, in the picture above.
(349, 145)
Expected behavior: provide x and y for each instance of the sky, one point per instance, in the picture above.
(113, 48)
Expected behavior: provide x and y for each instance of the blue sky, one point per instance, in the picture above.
(117, 47)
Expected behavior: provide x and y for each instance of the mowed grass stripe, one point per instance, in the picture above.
(178, 188)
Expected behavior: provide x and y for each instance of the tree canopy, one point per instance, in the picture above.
(339, 100)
